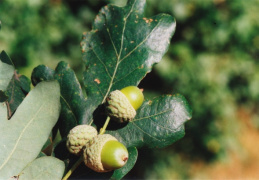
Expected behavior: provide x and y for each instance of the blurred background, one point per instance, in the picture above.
(213, 60)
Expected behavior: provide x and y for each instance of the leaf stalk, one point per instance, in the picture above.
(102, 130)
(78, 162)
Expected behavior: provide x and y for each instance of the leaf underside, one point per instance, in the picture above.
(6, 73)
(43, 168)
(24, 135)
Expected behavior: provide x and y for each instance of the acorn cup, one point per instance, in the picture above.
(78, 137)
(105, 153)
(121, 105)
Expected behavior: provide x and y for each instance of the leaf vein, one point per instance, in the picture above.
(118, 58)
(146, 117)
(102, 63)
(17, 142)
(142, 42)
(145, 132)
(125, 75)
(69, 107)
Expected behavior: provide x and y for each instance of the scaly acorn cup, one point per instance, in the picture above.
(78, 137)
(121, 105)
(105, 153)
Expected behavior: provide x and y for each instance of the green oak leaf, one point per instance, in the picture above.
(158, 123)
(22, 138)
(120, 173)
(6, 74)
(121, 49)
(5, 58)
(17, 86)
(43, 168)
(72, 98)
(42, 73)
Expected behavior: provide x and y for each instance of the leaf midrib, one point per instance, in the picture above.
(21, 135)
(118, 56)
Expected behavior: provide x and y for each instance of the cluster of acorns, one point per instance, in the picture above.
(103, 152)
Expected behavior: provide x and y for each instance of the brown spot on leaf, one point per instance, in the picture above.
(148, 20)
(98, 81)
(131, 42)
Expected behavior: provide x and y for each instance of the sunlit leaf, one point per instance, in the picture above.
(121, 49)
(158, 123)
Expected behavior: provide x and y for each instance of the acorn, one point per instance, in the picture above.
(105, 153)
(78, 137)
(121, 105)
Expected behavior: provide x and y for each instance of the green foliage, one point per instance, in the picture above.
(119, 51)
(72, 100)
(32, 122)
(158, 123)
(40, 32)
(213, 63)
(122, 37)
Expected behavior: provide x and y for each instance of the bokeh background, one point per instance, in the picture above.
(213, 60)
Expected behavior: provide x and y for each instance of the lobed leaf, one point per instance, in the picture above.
(17, 89)
(22, 138)
(42, 73)
(43, 168)
(121, 49)
(158, 123)
(13, 86)
(6, 59)
(72, 99)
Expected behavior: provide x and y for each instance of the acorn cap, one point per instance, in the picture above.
(119, 108)
(92, 152)
(78, 137)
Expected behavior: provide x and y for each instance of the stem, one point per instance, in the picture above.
(102, 130)
(78, 162)
(81, 159)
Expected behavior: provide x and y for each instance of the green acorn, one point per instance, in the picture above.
(78, 137)
(105, 153)
(121, 105)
